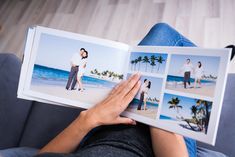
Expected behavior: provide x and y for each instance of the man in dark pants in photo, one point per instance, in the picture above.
(187, 68)
(75, 60)
(142, 94)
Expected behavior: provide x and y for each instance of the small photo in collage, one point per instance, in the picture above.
(186, 113)
(148, 63)
(146, 101)
(193, 74)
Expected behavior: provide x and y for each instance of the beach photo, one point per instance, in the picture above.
(193, 74)
(76, 70)
(186, 113)
(146, 101)
(148, 63)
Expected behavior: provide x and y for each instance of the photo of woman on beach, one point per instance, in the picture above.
(193, 74)
(145, 87)
(186, 113)
(147, 100)
(78, 64)
(81, 70)
(148, 63)
(146, 94)
(199, 72)
(63, 70)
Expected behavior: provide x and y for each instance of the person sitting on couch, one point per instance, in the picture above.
(101, 131)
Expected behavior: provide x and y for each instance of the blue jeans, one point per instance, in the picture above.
(160, 35)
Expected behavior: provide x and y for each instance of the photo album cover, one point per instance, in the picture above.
(181, 91)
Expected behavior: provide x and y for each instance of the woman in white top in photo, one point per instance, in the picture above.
(199, 71)
(146, 90)
(81, 70)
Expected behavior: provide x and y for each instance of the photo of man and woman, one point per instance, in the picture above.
(147, 99)
(186, 113)
(76, 69)
(193, 74)
(148, 63)
(78, 65)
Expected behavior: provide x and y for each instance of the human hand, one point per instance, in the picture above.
(104, 113)
(108, 111)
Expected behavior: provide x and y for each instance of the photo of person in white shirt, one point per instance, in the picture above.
(187, 68)
(75, 61)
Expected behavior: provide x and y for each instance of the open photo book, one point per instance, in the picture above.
(181, 91)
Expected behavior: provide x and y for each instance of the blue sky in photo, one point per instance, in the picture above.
(210, 64)
(185, 102)
(135, 55)
(56, 52)
(156, 86)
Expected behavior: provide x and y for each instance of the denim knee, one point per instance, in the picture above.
(160, 27)
(161, 34)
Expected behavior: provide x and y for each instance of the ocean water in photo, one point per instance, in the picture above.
(51, 76)
(166, 117)
(134, 104)
(171, 78)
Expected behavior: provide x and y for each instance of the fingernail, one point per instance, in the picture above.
(133, 122)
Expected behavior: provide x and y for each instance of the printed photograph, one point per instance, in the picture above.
(154, 63)
(193, 74)
(76, 70)
(187, 113)
(146, 101)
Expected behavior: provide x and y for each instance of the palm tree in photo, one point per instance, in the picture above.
(146, 61)
(110, 74)
(174, 103)
(120, 77)
(207, 105)
(139, 59)
(152, 62)
(132, 64)
(194, 111)
(136, 61)
(105, 73)
(160, 60)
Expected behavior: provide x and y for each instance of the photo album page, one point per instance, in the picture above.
(181, 89)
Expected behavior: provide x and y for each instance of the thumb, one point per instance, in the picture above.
(124, 120)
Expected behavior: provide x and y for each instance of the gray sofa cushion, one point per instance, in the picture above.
(226, 134)
(45, 122)
(13, 111)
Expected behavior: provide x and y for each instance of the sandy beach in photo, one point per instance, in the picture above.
(150, 112)
(179, 125)
(89, 95)
(205, 90)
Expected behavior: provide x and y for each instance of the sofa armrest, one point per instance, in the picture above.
(13, 111)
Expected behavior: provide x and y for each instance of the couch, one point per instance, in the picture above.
(26, 123)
